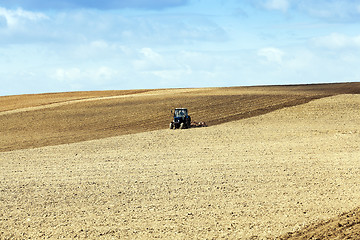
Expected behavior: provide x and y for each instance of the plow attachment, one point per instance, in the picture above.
(198, 124)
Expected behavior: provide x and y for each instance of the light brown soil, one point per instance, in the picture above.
(254, 178)
(31, 100)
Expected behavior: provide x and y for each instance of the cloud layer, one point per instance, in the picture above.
(332, 10)
(95, 4)
(160, 44)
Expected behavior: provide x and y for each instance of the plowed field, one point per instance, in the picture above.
(250, 178)
(30, 121)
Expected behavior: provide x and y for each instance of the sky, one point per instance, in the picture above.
(81, 45)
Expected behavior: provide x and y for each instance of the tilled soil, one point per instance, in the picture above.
(254, 178)
(345, 226)
(59, 118)
(15, 102)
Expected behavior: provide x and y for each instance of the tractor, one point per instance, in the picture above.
(181, 119)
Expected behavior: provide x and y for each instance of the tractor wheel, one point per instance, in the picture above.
(171, 126)
(182, 126)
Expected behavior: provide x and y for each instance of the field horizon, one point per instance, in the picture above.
(80, 134)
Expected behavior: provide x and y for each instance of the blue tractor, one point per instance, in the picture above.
(181, 119)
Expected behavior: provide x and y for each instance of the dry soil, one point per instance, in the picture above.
(285, 172)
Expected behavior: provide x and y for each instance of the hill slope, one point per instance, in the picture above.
(29, 121)
(52, 190)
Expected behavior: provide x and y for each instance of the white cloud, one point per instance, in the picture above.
(16, 17)
(68, 75)
(281, 5)
(150, 60)
(272, 55)
(84, 26)
(329, 10)
(332, 10)
(150, 54)
(98, 50)
(337, 41)
(103, 74)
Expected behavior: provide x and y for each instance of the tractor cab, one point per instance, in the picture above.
(180, 112)
(181, 119)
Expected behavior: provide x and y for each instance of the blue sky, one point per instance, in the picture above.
(74, 45)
